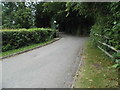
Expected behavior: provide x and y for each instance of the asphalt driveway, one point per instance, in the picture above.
(52, 66)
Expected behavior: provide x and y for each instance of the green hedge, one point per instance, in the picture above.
(13, 39)
(113, 35)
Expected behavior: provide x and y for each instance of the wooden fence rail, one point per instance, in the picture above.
(106, 45)
(106, 52)
(111, 47)
(102, 36)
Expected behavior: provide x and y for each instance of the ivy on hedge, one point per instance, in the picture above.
(13, 39)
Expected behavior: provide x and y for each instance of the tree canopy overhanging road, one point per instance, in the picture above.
(27, 24)
(52, 66)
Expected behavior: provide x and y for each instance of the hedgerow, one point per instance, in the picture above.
(107, 25)
(13, 39)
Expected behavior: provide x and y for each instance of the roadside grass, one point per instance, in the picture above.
(7, 53)
(96, 71)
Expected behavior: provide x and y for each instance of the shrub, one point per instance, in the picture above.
(13, 39)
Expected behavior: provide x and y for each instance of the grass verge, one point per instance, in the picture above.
(7, 53)
(96, 71)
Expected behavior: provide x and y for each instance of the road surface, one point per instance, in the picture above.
(52, 66)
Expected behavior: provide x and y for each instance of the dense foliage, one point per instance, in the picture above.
(43, 14)
(13, 39)
(17, 15)
(107, 24)
(106, 18)
(82, 18)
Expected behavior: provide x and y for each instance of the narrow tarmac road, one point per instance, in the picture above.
(52, 66)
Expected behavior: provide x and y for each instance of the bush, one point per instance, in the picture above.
(13, 39)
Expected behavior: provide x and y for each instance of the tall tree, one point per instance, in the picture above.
(17, 15)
